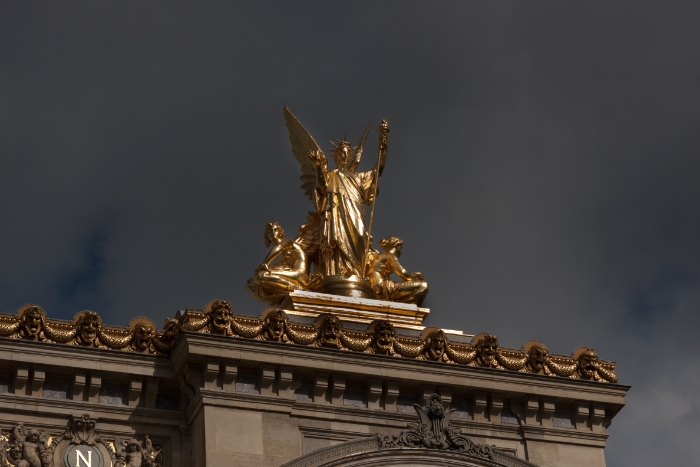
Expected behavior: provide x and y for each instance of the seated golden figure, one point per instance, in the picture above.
(285, 268)
(412, 289)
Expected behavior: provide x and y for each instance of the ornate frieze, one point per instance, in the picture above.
(87, 330)
(381, 338)
(78, 445)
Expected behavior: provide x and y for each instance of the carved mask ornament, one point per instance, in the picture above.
(88, 327)
(329, 333)
(537, 357)
(33, 320)
(587, 364)
(435, 345)
(142, 336)
(220, 317)
(276, 325)
(384, 337)
(487, 348)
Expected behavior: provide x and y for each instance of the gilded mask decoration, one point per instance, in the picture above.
(220, 317)
(486, 349)
(87, 329)
(88, 326)
(275, 325)
(435, 345)
(384, 337)
(329, 331)
(143, 333)
(587, 364)
(537, 356)
(32, 321)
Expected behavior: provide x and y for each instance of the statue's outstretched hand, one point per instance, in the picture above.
(317, 158)
(418, 276)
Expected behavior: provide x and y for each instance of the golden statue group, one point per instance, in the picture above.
(333, 251)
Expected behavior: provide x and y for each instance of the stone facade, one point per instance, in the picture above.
(218, 400)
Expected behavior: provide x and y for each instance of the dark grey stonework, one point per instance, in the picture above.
(462, 409)
(354, 397)
(405, 403)
(167, 402)
(563, 420)
(113, 395)
(303, 393)
(57, 389)
(509, 417)
(247, 383)
(5, 385)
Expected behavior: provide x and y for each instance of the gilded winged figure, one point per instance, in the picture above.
(332, 252)
(339, 195)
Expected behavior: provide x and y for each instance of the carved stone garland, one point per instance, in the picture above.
(218, 318)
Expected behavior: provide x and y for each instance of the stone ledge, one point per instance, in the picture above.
(196, 347)
(564, 436)
(359, 310)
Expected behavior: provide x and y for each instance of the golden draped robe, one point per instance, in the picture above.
(343, 235)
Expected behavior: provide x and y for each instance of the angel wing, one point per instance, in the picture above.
(422, 416)
(358, 150)
(302, 143)
(309, 234)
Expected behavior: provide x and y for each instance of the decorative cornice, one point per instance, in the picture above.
(87, 330)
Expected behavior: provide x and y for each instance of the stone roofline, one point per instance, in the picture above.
(327, 330)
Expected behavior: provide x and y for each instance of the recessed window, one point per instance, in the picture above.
(562, 419)
(405, 402)
(113, 395)
(247, 382)
(462, 409)
(167, 402)
(354, 396)
(508, 417)
(56, 389)
(304, 393)
(5, 384)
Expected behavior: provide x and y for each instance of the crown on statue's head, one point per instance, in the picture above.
(341, 144)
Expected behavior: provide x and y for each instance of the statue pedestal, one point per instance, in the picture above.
(356, 309)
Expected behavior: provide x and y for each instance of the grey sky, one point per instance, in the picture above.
(543, 167)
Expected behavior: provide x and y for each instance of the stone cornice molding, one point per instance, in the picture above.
(87, 330)
(196, 348)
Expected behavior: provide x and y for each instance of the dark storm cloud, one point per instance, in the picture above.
(543, 167)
